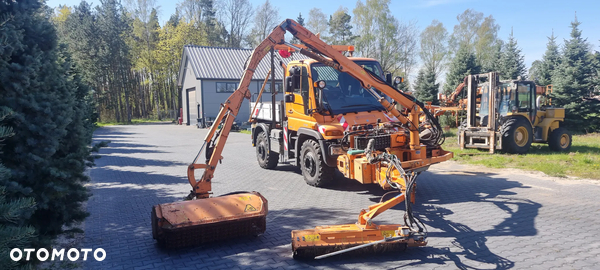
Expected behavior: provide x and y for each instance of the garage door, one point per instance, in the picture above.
(192, 108)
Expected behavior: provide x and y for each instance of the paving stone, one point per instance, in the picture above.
(475, 219)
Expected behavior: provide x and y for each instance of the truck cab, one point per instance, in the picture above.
(325, 121)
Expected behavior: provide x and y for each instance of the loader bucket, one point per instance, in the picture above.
(189, 223)
(308, 244)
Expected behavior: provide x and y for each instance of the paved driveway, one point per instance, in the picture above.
(477, 218)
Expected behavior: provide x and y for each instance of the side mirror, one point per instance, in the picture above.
(289, 84)
(398, 80)
(290, 98)
(388, 77)
(318, 86)
(293, 82)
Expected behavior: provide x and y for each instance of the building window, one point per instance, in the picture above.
(278, 87)
(226, 87)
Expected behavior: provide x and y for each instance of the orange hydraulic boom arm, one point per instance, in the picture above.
(231, 107)
(181, 223)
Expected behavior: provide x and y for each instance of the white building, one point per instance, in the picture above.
(208, 76)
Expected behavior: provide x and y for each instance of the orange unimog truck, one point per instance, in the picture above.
(326, 120)
(337, 112)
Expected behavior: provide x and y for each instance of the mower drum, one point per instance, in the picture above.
(308, 244)
(194, 222)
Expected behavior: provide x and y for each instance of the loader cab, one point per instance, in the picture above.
(517, 98)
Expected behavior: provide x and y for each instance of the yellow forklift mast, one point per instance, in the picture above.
(510, 116)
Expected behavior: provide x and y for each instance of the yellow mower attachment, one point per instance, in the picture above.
(364, 236)
(325, 241)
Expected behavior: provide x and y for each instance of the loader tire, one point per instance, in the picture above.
(266, 158)
(315, 171)
(517, 136)
(560, 140)
(463, 126)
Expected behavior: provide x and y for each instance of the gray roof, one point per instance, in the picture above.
(228, 63)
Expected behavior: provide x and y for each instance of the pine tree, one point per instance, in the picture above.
(80, 35)
(174, 19)
(112, 92)
(340, 27)
(550, 61)
(463, 64)
(51, 117)
(215, 31)
(426, 89)
(573, 80)
(300, 20)
(512, 62)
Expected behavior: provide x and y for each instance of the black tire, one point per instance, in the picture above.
(560, 140)
(517, 136)
(463, 126)
(315, 171)
(266, 158)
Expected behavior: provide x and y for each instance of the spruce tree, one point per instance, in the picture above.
(404, 85)
(14, 233)
(462, 64)
(426, 89)
(573, 80)
(512, 62)
(300, 20)
(550, 61)
(51, 116)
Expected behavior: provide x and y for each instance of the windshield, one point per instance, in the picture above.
(343, 93)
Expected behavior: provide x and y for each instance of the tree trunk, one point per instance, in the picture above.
(125, 88)
(143, 98)
(155, 91)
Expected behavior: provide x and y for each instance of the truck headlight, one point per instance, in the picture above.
(336, 149)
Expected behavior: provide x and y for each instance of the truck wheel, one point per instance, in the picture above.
(267, 159)
(516, 136)
(315, 171)
(560, 140)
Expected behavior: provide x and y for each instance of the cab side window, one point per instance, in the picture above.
(524, 97)
(304, 82)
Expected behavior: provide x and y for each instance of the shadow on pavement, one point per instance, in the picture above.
(120, 220)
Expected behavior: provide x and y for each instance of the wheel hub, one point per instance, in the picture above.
(521, 136)
(261, 152)
(564, 140)
(309, 165)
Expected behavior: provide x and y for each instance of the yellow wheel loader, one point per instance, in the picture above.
(338, 112)
(510, 116)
